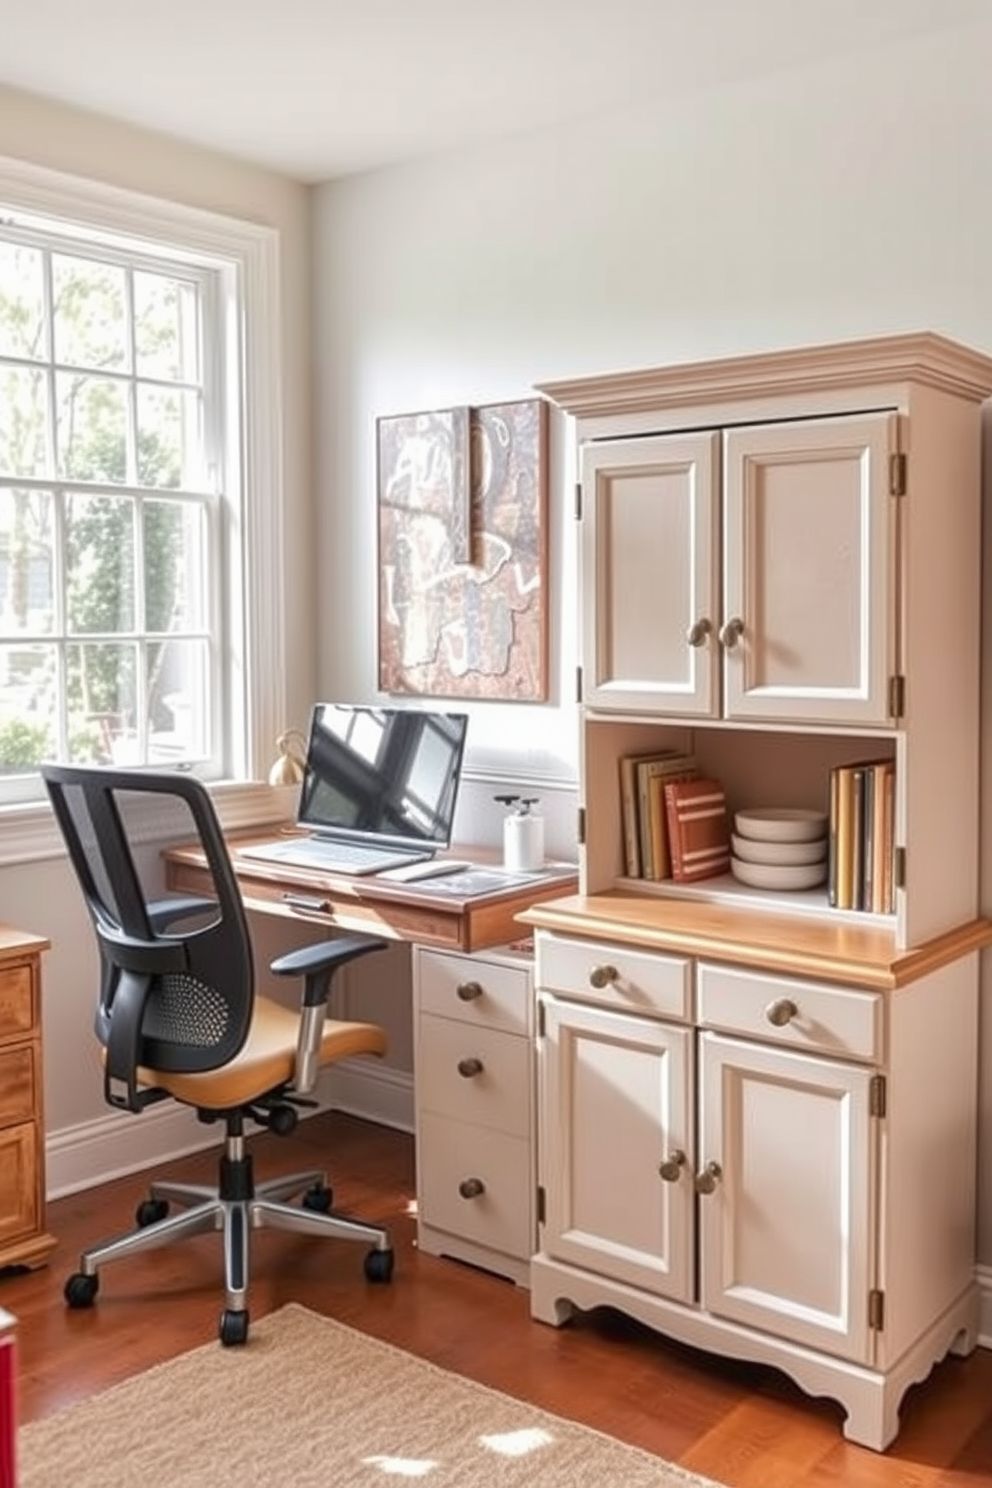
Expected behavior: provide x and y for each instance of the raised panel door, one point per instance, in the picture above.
(615, 1145)
(786, 1215)
(811, 545)
(650, 573)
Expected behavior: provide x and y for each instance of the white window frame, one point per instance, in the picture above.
(256, 609)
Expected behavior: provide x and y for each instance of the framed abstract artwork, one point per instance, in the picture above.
(462, 515)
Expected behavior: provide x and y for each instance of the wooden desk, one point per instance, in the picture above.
(422, 913)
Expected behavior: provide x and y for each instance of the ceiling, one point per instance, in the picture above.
(322, 88)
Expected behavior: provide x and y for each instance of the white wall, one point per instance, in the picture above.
(849, 199)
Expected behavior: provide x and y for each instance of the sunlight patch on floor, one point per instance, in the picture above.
(518, 1443)
(401, 1467)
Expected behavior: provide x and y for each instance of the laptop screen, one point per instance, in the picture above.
(382, 775)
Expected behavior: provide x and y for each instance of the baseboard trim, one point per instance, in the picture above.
(983, 1275)
(117, 1144)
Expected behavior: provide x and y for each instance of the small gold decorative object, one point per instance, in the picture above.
(289, 766)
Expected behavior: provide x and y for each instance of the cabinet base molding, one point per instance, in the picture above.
(455, 1247)
(870, 1398)
(30, 1253)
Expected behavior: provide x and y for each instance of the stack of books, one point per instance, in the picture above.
(675, 824)
(862, 830)
(647, 853)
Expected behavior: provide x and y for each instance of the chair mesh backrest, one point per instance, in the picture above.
(195, 975)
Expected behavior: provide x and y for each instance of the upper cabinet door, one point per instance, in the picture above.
(650, 553)
(808, 631)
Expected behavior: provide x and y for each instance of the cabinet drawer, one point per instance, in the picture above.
(474, 1074)
(20, 1198)
(802, 1015)
(454, 1153)
(16, 1001)
(614, 976)
(476, 990)
(18, 1087)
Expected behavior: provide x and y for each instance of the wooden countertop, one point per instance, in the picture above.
(851, 955)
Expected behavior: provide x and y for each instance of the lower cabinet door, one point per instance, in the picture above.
(615, 1145)
(787, 1170)
(20, 1201)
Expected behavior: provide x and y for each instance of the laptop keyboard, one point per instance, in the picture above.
(334, 857)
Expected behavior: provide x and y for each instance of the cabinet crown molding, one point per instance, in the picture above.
(921, 358)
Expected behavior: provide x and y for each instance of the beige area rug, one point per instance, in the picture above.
(310, 1403)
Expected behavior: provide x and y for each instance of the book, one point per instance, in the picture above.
(845, 837)
(698, 829)
(646, 767)
(628, 816)
(832, 814)
(885, 796)
(683, 767)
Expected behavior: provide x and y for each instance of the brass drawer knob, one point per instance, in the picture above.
(468, 991)
(471, 1188)
(707, 1180)
(781, 1011)
(671, 1168)
(468, 1068)
(697, 633)
(731, 633)
(602, 976)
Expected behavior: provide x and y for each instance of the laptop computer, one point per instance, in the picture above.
(379, 789)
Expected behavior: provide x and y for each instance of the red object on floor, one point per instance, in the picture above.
(8, 1411)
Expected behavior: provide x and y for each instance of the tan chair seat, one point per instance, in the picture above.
(268, 1058)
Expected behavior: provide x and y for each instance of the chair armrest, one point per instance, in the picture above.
(317, 964)
(164, 912)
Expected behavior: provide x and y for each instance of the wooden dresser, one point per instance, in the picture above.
(23, 1241)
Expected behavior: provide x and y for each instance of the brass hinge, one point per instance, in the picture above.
(541, 1204)
(876, 1310)
(899, 867)
(897, 475)
(541, 1025)
(877, 1096)
(897, 695)
(581, 827)
(578, 501)
(578, 684)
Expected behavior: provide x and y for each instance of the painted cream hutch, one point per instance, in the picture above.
(757, 1114)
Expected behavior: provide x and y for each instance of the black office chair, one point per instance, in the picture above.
(178, 1017)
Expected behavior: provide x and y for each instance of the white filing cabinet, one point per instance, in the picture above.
(474, 1081)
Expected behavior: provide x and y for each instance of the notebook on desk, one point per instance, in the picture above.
(379, 789)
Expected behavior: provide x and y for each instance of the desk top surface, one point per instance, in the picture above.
(467, 911)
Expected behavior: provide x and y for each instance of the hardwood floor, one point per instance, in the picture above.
(742, 1425)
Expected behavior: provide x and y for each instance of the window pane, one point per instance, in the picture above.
(27, 596)
(22, 422)
(166, 317)
(169, 438)
(101, 687)
(92, 428)
(178, 697)
(22, 302)
(99, 564)
(27, 707)
(89, 313)
(176, 587)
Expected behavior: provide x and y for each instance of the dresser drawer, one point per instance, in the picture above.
(614, 976)
(486, 993)
(17, 1012)
(480, 1075)
(18, 1085)
(802, 1015)
(455, 1154)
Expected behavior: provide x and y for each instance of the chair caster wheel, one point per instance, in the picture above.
(149, 1212)
(233, 1328)
(318, 1199)
(379, 1265)
(81, 1290)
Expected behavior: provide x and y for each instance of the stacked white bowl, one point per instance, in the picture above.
(779, 848)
